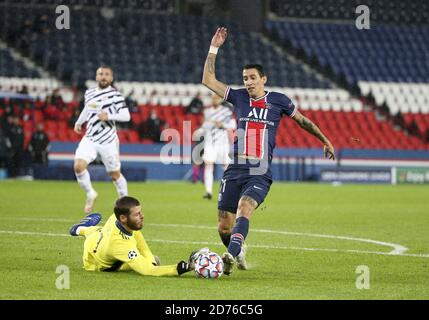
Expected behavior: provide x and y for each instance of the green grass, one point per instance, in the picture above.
(290, 264)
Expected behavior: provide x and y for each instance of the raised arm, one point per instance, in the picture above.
(209, 75)
(310, 127)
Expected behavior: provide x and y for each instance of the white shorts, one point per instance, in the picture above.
(109, 153)
(216, 154)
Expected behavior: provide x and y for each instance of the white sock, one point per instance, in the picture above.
(78, 230)
(121, 186)
(208, 178)
(84, 181)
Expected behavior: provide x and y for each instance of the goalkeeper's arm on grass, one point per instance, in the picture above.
(147, 268)
(147, 265)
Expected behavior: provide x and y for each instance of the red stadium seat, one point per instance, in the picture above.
(342, 128)
(122, 136)
(146, 141)
(133, 136)
(136, 118)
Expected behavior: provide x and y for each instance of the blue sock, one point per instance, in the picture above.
(238, 234)
(226, 238)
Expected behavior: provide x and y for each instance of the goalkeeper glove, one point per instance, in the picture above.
(193, 257)
(195, 254)
(183, 267)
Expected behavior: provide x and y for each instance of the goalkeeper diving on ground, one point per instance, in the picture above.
(119, 245)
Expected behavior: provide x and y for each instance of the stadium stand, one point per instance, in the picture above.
(386, 66)
(165, 75)
(348, 121)
(387, 53)
(10, 67)
(38, 88)
(75, 54)
(147, 5)
(384, 11)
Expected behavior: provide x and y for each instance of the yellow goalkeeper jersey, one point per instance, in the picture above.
(113, 248)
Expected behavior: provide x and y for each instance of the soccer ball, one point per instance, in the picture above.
(208, 265)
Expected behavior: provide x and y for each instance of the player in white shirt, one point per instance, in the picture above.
(104, 105)
(218, 126)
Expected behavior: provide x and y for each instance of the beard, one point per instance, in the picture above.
(133, 225)
(104, 84)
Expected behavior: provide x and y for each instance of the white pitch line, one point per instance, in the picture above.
(25, 233)
(39, 219)
(397, 248)
(219, 244)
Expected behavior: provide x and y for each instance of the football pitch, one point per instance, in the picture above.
(306, 241)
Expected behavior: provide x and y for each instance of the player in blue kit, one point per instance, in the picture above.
(247, 180)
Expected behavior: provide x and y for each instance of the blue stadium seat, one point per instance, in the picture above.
(387, 53)
(133, 41)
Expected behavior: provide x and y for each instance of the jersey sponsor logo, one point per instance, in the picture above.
(132, 255)
(94, 107)
(258, 114)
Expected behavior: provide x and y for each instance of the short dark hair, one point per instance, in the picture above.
(123, 206)
(256, 66)
(105, 66)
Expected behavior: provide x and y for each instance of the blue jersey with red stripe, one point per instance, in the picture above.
(257, 122)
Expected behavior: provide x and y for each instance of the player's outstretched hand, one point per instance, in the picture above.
(78, 128)
(328, 148)
(103, 116)
(219, 37)
(218, 124)
(183, 267)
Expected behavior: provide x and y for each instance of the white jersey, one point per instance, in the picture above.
(108, 100)
(213, 135)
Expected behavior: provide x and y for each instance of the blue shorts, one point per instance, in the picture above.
(237, 182)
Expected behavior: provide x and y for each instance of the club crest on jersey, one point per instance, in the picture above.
(258, 113)
(132, 254)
